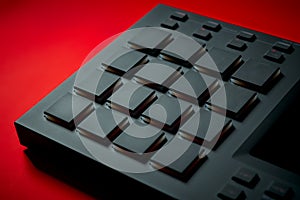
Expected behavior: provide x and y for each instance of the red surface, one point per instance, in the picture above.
(43, 42)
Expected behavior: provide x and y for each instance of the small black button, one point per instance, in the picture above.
(246, 177)
(180, 16)
(213, 26)
(202, 34)
(274, 56)
(170, 24)
(237, 45)
(279, 191)
(250, 37)
(231, 192)
(283, 47)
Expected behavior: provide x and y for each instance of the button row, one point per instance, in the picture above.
(243, 176)
(275, 54)
(140, 141)
(202, 33)
(133, 99)
(103, 127)
(248, 178)
(197, 90)
(209, 63)
(236, 43)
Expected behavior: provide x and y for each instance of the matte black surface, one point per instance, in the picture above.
(283, 47)
(238, 104)
(274, 56)
(278, 144)
(243, 35)
(131, 97)
(202, 34)
(237, 44)
(185, 165)
(197, 128)
(167, 113)
(125, 62)
(170, 23)
(279, 191)
(98, 86)
(180, 16)
(157, 76)
(182, 50)
(231, 192)
(68, 110)
(217, 61)
(102, 125)
(194, 87)
(213, 26)
(256, 75)
(246, 177)
(248, 126)
(150, 41)
(141, 139)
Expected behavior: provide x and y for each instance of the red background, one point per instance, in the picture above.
(44, 42)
